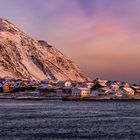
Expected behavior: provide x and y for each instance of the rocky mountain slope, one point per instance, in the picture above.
(24, 57)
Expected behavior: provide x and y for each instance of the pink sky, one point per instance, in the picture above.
(101, 36)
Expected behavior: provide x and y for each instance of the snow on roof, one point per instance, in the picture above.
(128, 89)
(102, 81)
(80, 88)
(135, 87)
(102, 84)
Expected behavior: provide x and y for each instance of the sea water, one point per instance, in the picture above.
(46, 120)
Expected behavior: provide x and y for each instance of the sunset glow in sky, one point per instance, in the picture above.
(101, 36)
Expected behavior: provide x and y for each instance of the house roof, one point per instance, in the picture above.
(128, 89)
(79, 88)
(62, 81)
(135, 87)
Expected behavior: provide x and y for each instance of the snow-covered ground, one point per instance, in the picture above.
(23, 57)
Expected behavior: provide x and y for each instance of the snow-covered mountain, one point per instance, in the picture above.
(26, 58)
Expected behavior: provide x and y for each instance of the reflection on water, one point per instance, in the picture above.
(41, 120)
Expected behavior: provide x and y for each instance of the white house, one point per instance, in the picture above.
(62, 83)
(82, 92)
(114, 87)
(100, 92)
(128, 91)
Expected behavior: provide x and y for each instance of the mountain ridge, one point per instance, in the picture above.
(23, 57)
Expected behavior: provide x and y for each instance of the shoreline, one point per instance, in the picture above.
(68, 99)
(30, 98)
(97, 99)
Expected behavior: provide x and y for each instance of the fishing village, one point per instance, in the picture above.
(11, 88)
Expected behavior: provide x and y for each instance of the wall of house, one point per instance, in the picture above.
(85, 93)
(76, 92)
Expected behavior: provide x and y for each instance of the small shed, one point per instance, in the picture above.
(6, 88)
(136, 90)
(80, 92)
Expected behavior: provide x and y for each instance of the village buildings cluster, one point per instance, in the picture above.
(97, 89)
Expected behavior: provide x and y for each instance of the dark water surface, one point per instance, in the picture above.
(97, 120)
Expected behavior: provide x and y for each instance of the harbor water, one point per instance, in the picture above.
(46, 120)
